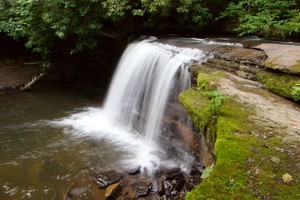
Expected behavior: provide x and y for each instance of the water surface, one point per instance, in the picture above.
(39, 161)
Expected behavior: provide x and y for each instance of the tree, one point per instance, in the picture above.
(269, 18)
(81, 24)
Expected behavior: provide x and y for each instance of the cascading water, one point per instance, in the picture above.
(134, 108)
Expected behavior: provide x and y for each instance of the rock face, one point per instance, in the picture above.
(240, 55)
(244, 62)
(284, 58)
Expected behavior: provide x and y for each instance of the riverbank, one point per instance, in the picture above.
(257, 139)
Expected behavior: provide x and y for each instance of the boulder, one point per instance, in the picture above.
(282, 57)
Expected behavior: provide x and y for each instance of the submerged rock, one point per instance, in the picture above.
(75, 193)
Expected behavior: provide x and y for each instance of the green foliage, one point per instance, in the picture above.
(74, 25)
(268, 18)
(216, 100)
(47, 23)
(184, 12)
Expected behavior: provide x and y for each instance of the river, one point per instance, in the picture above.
(40, 162)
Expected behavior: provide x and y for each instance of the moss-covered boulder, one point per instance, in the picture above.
(252, 161)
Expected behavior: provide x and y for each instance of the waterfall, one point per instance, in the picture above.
(147, 75)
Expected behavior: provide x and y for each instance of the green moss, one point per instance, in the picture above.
(243, 168)
(281, 84)
(196, 104)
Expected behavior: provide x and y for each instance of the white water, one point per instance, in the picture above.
(134, 107)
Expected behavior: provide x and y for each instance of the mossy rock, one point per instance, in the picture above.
(280, 83)
(244, 167)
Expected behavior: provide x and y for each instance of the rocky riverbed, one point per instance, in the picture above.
(166, 183)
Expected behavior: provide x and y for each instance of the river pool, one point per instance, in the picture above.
(39, 161)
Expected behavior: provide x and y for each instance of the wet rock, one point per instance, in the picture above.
(160, 186)
(191, 182)
(134, 171)
(179, 184)
(75, 193)
(113, 191)
(196, 169)
(104, 179)
(154, 187)
(128, 193)
(168, 188)
(141, 188)
(158, 173)
(154, 196)
(172, 173)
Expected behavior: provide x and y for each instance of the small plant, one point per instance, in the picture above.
(296, 92)
(216, 100)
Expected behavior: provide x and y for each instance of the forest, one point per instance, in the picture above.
(71, 26)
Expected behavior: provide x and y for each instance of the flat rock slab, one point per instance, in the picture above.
(282, 57)
(240, 55)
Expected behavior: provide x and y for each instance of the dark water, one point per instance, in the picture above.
(41, 162)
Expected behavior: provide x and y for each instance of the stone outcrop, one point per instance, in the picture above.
(275, 66)
(244, 62)
(282, 57)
